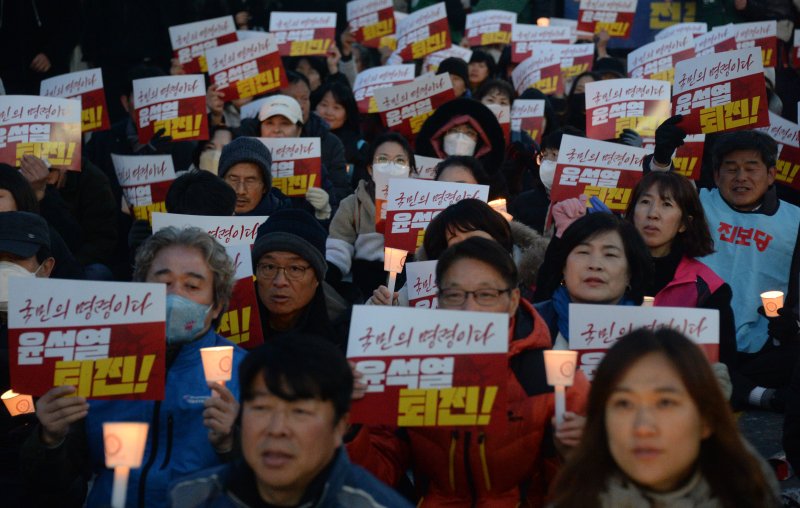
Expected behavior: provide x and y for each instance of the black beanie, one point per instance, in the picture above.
(455, 65)
(293, 230)
(246, 150)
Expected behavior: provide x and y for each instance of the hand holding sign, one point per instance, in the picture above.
(56, 412)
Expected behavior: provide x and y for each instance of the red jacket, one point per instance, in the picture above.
(494, 469)
(682, 290)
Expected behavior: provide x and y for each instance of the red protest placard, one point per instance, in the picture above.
(787, 135)
(370, 20)
(432, 61)
(760, 34)
(429, 368)
(426, 168)
(489, 27)
(616, 104)
(421, 284)
(593, 329)
(526, 39)
(597, 168)
(46, 127)
(86, 85)
(246, 68)
(145, 180)
(303, 33)
(721, 92)
(576, 59)
(412, 203)
(657, 60)
(541, 71)
(241, 322)
(191, 40)
(527, 115)
(176, 104)
(503, 115)
(694, 29)
(718, 40)
(423, 32)
(404, 108)
(369, 80)
(105, 338)
(796, 49)
(296, 164)
(613, 16)
(688, 158)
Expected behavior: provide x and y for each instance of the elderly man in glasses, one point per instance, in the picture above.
(289, 263)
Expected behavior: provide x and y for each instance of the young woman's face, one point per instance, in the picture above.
(7, 201)
(654, 426)
(596, 270)
(331, 111)
(457, 174)
(478, 72)
(658, 220)
(305, 68)
(390, 152)
(495, 96)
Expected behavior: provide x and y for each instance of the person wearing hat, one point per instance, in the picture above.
(289, 263)
(245, 165)
(281, 117)
(459, 75)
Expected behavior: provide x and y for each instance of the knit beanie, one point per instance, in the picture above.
(246, 150)
(293, 230)
(455, 65)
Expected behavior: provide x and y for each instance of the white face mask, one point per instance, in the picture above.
(458, 143)
(9, 269)
(547, 170)
(390, 169)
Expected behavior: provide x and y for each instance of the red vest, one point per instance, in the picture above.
(682, 290)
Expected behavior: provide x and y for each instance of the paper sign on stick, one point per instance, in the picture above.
(46, 127)
(542, 70)
(657, 60)
(692, 28)
(105, 338)
(760, 34)
(613, 16)
(597, 168)
(421, 284)
(412, 204)
(246, 68)
(423, 32)
(145, 180)
(86, 85)
(426, 368)
(176, 104)
(426, 168)
(369, 80)
(721, 92)
(528, 115)
(489, 27)
(404, 108)
(593, 329)
(787, 134)
(525, 39)
(370, 20)
(296, 164)
(616, 104)
(381, 179)
(688, 158)
(303, 33)
(191, 40)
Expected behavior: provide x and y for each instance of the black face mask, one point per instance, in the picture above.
(576, 111)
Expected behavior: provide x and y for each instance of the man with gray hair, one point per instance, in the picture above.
(189, 430)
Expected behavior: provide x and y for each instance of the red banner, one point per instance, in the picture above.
(423, 32)
(616, 104)
(246, 68)
(718, 40)
(86, 85)
(613, 16)
(787, 134)
(303, 33)
(796, 50)
(541, 71)
(421, 284)
(404, 108)
(105, 338)
(46, 127)
(176, 104)
(241, 322)
(721, 92)
(657, 60)
(576, 59)
(526, 39)
(761, 34)
(489, 27)
(191, 40)
(145, 181)
(296, 164)
(688, 158)
(369, 80)
(370, 20)
(527, 115)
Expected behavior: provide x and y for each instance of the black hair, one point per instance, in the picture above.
(640, 265)
(140, 71)
(471, 163)
(392, 137)
(466, 215)
(343, 95)
(316, 62)
(483, 250)
(22, 192)
(549, 113)
(595, 76)
(200, 192)
(501, 85)
(479, 56)
(300, 366)
(553, 140)
(744, 140)
(201, 147)
(295, 77)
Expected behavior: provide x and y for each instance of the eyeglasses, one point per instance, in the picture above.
(484, 297)
(248, 183)
(269, 271)
(383, 159)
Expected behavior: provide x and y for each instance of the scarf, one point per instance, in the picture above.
(561, 303)
(622, 493)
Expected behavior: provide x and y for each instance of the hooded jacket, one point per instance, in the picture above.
(484, 468)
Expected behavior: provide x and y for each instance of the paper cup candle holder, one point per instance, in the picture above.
(124, 446)
(560, 369)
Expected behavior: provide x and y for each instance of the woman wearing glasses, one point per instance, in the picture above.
(354, 247)
(484, 467)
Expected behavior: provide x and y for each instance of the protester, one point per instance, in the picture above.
(459, 75)
(185, 434)
(482, 68)
(659, 433)
(337, 106)
(478, 275)
(295, 402)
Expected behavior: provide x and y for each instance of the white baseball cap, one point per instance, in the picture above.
(282, 105)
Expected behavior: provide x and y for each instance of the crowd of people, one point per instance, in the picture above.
(655, 427)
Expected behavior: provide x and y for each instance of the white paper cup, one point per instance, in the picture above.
(217, 363)
(772, 301)
(394, 259)
(17, 403)
(648, 301)
(124, 443)
(560, 367)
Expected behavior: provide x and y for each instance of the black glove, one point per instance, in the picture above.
(139, 233)
(668, 137)
(159, 143)
(784, 326)
(631, 138)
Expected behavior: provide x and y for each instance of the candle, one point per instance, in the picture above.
(543, 22)
(124, 446)
(560, 369)
(217, 363)
(772, 300)
(17, 403)
(648, 301)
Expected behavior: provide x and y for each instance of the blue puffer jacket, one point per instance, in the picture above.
(177, 442)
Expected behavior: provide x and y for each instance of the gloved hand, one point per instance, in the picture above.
(668, 137)
(568, 211)
(631, 138)
(598, 205)
(321, 202)
(159, 143)
(723, 378)
(784, 326)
